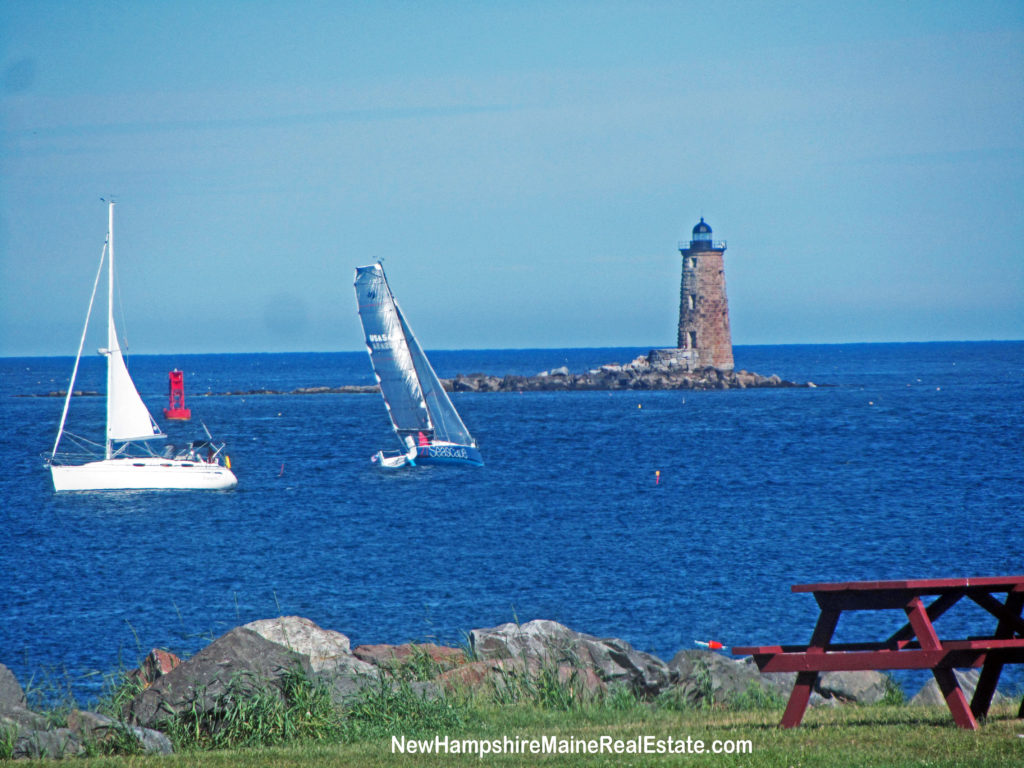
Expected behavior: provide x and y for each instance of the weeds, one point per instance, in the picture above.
(894, 695)
(8, 738)
(394, 706)
(119, 688)
(248, 715)
(757, 697)
(420, 666)
(116, 740)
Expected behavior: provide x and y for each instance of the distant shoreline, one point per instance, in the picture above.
(610, 377)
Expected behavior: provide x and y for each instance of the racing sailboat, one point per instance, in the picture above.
(125, 460)
(422, 415)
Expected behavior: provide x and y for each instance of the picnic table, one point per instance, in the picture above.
(916, 645)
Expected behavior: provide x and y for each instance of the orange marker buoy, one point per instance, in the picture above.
(657, 476)
(714, 645)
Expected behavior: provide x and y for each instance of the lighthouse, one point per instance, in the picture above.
(704, 338)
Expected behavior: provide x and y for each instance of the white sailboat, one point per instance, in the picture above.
(421, 413)
(127, 461)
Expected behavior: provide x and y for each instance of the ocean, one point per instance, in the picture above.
(905, 461)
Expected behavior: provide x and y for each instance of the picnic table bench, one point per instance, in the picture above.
(916, 645)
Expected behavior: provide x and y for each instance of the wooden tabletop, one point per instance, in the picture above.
(924, 586)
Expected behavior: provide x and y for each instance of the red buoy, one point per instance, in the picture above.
(176, 409)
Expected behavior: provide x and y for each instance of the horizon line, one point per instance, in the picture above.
(536, 349)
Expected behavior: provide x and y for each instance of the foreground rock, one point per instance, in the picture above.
(240, 663)
(611, 659)
(931, 696)
(384, 655)
(33, 736)
(157, 663)
(328, 652)
(519, 661)
(705, 677)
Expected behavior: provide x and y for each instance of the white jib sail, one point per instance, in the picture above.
(127, 416)
(448, 425)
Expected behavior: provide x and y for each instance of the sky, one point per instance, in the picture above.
(526, 170)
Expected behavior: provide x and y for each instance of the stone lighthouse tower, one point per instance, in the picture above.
(704, 336)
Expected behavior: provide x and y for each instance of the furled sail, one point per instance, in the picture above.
(389, 352)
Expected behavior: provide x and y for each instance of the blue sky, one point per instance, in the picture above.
(525, 170)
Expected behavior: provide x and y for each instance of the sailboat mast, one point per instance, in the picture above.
(111, 332)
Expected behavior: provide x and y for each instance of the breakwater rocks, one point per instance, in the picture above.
(653, 371)
(633, 376)
(256, 661)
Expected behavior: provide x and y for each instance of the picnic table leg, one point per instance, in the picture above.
(955, 699)
(992, 668)
(951, 691)
(798, 699)
(805, 681)
(986, 688)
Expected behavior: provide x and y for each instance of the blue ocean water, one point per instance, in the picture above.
(906, 462)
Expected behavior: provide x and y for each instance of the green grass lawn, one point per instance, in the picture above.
(847, 736)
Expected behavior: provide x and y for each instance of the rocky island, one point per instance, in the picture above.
(653, 371)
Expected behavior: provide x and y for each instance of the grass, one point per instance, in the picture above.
(848, 737)
(297, 724)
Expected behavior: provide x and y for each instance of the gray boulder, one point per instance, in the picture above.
(237, 664)
(864, 687)
(55, 743)
(931, 696)
(328, 652)
(324, 648)
(94, 727)
(11, 693)
(31, 734)
(614, 661)
(707, 677)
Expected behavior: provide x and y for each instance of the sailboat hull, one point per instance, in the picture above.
(142, 474)
(449, 454)
(446, 453)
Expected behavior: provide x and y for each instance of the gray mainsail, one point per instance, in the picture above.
(413, 395)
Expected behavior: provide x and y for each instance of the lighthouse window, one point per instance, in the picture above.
(693, 339)
(693, 262)
(691, 301)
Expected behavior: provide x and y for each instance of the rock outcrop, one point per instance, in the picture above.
(515, 660)
(384, 655)
(931, 696)
(328, 653)
(644, 373)
(611, 659)
(237, 664)
(32, 735)
(657, 370)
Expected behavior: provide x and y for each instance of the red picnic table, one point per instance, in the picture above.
(916, 645)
